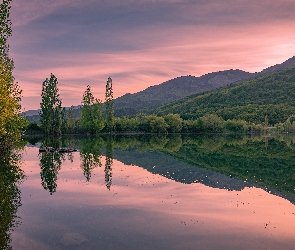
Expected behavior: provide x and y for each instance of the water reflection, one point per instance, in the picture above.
(109, 162)
(90, 155)
(50, 163)
(91, 151)
(227, 162)
(10, 177)
(102, 197)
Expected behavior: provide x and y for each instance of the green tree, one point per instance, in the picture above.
(174, 122)
(51, 114)
(11, 122)
(212, 122)
(109, 104)
(91, 113)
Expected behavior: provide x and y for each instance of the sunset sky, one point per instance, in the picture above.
(140, 43)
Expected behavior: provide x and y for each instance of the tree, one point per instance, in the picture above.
(70, 120)
(109, 105)
(174, 122)
(91, 113)
(51, 111)
(11, 122)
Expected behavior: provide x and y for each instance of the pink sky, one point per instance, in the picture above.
(142, 43)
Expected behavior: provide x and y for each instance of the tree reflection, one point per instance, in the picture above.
(109, 162)
(90, 154)
(10, 176)
(50, 163)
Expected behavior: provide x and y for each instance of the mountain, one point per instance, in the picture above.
(31, 112)
(289, 63)
(180, 87)
(175, 89)
(270, 95)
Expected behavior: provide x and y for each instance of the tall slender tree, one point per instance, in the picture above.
(109, 104)
(11, 122)
(51, 110)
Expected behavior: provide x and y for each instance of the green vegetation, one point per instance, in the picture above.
(11, 122)
(51, 114)
(91, 114)
(251, 101)
(109, 103)
(267, 162)
(56, 120)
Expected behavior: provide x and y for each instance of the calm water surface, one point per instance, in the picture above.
(158, 193)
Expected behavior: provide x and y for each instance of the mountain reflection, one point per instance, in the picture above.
(227, 162)
(10, 177)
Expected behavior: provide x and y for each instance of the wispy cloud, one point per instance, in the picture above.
(142, 43)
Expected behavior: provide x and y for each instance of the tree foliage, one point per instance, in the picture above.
(51, 114)
(91, 113)
(11, 122)
(109, 105)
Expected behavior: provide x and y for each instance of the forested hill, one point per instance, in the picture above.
(271, 95)
(180, 87)
(175, 89)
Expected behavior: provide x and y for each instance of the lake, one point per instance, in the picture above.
(151, 192)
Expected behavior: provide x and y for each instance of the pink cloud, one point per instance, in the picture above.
(202, 37)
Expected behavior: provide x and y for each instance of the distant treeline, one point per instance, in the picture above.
(171, 123)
